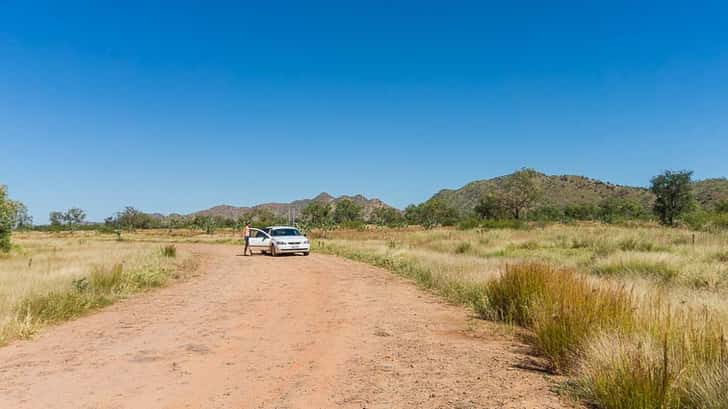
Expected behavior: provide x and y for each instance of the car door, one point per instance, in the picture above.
(259, 239)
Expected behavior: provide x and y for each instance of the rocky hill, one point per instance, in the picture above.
(562, 190)
(710, 191)
(283, 209)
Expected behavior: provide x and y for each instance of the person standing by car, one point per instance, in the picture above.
(246, 238)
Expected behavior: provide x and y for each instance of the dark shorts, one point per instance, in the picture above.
(247, 240)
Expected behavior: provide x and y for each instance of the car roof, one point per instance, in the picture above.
(281, 227)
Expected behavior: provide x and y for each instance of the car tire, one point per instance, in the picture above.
(273, 251)
(306, 253)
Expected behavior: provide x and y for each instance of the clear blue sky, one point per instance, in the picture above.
(176, 106)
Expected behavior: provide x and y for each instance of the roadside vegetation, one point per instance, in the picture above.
(635, 316)
(49, 278)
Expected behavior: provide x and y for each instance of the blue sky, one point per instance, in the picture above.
(179, 106)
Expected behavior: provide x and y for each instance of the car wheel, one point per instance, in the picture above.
(305, 253)
(273, 251)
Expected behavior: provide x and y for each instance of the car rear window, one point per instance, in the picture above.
(285, 232)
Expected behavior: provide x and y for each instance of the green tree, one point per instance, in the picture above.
(73, 217)
(489, 207)
(206, 223)
(317, 214)
(547, 213)
(56, 219)
(346, 210)
(580, 211)
(261, 217)
(131, 218)
(673, 195)
(7, 219)
(435, 212)
(386, 216)
(520, 191)
(614, 209)
(412, 214)
(23, 221)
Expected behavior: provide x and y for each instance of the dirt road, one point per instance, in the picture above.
(263, 332)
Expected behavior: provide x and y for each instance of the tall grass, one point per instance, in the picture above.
(53, 278)
(592, 311)
(561, 308)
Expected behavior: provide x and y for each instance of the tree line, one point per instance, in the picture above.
(674, 203)
(515, 203)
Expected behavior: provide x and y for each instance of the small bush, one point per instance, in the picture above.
(463, 247)
(469, 223)
(169, 250)
(704, 220)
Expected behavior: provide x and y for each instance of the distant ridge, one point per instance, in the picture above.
(283, 209)
(563, 190)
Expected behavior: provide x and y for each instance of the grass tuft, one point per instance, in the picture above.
(559, 306)
(637, 267)
(463, 248)
(169, 250)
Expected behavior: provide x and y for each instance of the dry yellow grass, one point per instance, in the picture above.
(61, 265)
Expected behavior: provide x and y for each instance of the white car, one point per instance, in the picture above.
(277, 240)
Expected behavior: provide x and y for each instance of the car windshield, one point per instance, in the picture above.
(285, 232)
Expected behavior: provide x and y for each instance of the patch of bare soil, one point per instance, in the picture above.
(264, 332)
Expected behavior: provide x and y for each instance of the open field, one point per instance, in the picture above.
(636, 316)
(50, 278)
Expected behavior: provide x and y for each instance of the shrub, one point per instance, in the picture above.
(463, 247)
(468, 223)
(169, 250)
(703, 220)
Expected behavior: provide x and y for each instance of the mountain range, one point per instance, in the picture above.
(558, 190)
(296, 206)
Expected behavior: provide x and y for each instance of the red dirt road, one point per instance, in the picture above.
(263, 332)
